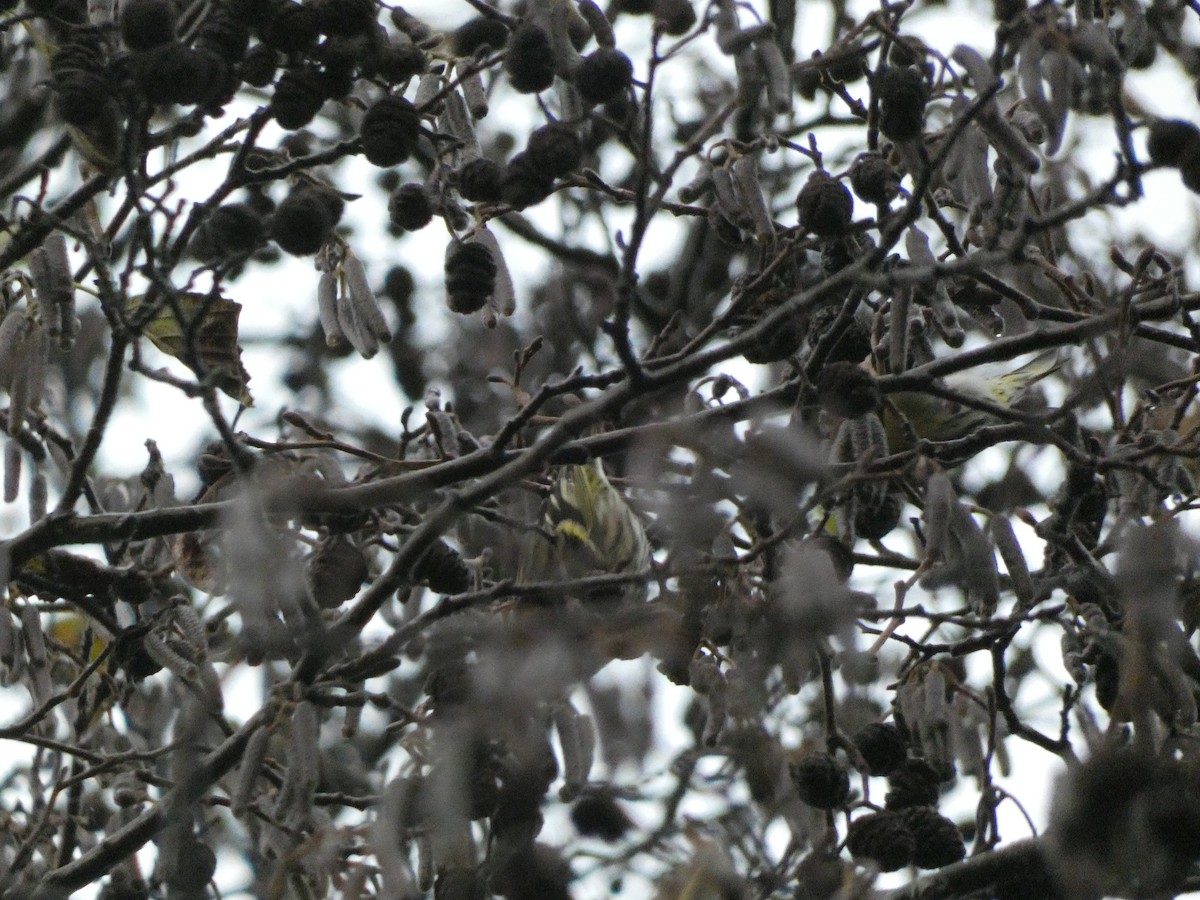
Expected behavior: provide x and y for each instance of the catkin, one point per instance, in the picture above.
(363, 298)
(327, 307)
(748, 187)
(504, 294)
(252, 760)
(778, 77)
(59, 301)
(12, 470)
(940, 501)
(1014, 561)
(38, 495)
(474, 93)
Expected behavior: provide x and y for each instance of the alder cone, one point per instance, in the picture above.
(258, 66)
(470, 277)
(477, 33)
(480, 180)
(604, 76)
(294, 28)
(938, 842)
(556, 149)
(825, 206)
(389, 131)
(410, 207)
(820, 781)
(530, 59)
(174, 73)
(524, 182)
(902, 93)
(882, 746)
(146, 23)
(882, 837)
(305, 219)
(1171, 141)
(299, 96)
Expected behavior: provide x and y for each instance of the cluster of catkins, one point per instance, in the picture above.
(28, 331)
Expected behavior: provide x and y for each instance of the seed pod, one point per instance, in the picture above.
(525, 182)
(470, 276)
(336, 571)
(530, 61)
(825, 206)
(327, 306)
(443, 569)
(480, 181)
(604, 76)
(389, 131)
(820, 781)
(556, 148)
(874, 180)
(298, 97)
(1171, 141)
(882, 746)
(233, 229)
(477, 33)
(937, 841)
(306, 218)
(146, 23)
(410, 207)
(902, 94)
(257, 67)
(363, 299)
(398, 62)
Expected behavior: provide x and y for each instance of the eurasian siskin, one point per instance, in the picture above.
(935, 419)
(587, 529)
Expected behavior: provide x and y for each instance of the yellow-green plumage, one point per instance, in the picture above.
(588, 528)
(935, 419)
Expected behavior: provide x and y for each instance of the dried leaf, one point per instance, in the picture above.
(214, 322)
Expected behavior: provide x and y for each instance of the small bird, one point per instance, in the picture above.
(587, 529)
(935, 419)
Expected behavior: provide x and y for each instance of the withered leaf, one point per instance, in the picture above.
(214, 322)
